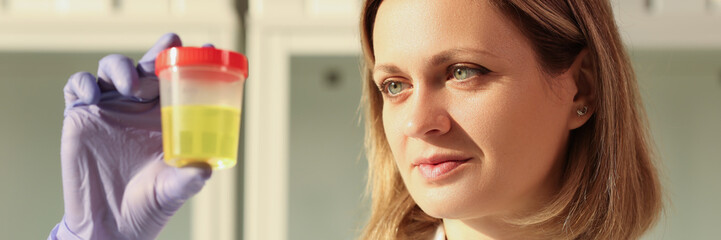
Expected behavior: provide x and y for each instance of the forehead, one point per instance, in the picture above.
(422, 28)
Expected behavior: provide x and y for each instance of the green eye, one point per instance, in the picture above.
(460, 73)
(464, 72)
(394, 88)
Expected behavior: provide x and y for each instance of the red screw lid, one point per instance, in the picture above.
(187, 56)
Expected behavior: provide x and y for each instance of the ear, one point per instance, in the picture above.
(583, 101)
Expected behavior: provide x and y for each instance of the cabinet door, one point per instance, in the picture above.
(326, 166)
(682, 93)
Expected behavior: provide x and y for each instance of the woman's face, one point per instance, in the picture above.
(475, 126)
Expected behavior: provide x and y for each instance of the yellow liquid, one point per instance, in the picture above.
(200, 133)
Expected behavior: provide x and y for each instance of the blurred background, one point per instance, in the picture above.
(302, 171)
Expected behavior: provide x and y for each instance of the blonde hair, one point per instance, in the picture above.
(610, 188)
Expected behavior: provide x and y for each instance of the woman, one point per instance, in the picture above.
(503, 119)
(486, 119)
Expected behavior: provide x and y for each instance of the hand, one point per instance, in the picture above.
(115, 183)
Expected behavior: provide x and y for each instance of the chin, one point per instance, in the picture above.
(443, 212)
(451, 200)
(447, 206)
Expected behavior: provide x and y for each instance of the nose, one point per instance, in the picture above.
(427, 117)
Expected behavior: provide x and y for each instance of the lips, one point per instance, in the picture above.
(436, 168)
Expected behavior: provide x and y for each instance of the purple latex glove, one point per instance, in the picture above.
(115, 183)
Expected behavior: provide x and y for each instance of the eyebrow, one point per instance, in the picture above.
(388, 68)
(449, 54)
(437, 59)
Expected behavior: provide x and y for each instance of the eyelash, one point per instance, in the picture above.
(384, 87)
(479, 70)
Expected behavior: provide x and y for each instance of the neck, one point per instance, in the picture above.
(483, 229)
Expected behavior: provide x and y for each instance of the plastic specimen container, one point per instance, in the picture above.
(201, 92)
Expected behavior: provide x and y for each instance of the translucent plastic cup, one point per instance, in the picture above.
(201, 92)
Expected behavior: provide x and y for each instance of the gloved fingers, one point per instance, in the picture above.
(146, 64)
(208, 45)
(81, 89)
(149, 89)
(174, 186)
(149, 85)
(117, 72)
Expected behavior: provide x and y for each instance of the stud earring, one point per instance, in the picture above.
(582, 111)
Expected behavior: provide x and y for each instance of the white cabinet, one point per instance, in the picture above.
(277, 31)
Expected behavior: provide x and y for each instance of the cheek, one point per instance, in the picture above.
(519, 132)
(393, 130)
